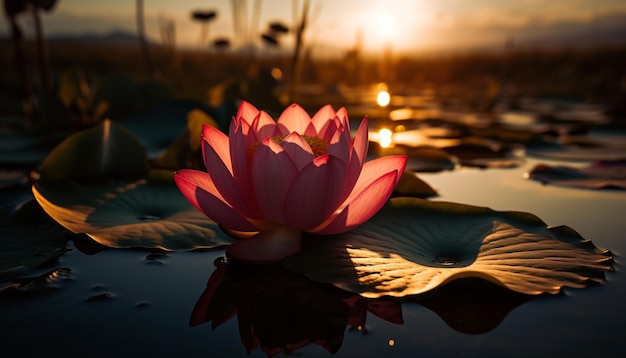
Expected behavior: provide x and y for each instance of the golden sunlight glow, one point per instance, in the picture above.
(277, 74)
(385, 138)
(383, 98)
(385, 26)
(389, 28)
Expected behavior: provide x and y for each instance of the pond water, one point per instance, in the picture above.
(132, 302)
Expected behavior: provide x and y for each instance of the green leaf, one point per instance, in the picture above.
(486, 153)
(419, 159)
(139, 214)
(105, 151)
(599, 175)
(29, 237)
(412, 246)
(185, 150)
(599, 147)
(72, 87)
(411, 185)
(195, 121)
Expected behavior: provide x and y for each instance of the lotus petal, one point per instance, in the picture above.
(273, 171)
(302, 173)
(322, 117)
(314, 193)
(294, 119)
(217, 140)
(198, 188)
(298, 149)
(225, 182)
(363, 206)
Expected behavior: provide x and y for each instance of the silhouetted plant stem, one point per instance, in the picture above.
(17, 38)
(296, 60)
(141, 33)
(42, 50)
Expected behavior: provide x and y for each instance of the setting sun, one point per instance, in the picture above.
(385, 26)
(380, 28)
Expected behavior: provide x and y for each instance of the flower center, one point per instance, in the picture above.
(317, 144)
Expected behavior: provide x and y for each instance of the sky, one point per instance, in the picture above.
(337, 25)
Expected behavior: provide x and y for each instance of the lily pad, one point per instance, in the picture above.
(485, 153)
(411, 185)
(594, 148)
(412, 246)
(29, 237)
(419, 159)
(122, 215)
(599, 175)
(105, 151)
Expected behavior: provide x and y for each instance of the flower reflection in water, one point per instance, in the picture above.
(281, 311)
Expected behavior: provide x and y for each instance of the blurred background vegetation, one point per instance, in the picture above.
(126, 73)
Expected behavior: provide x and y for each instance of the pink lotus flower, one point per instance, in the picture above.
(268, 181)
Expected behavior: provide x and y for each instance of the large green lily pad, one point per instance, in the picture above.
(123, 215)
(412, 246)
(598, 175)
(29, 237)
(105, 151)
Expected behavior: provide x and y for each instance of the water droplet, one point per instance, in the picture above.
(141, 304)
(32, 285)
(222, 260)
(149, 217)
(99, 297)
(445, 261)
(155, 258)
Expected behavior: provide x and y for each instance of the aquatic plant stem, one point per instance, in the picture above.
(296, 61)
(143, 41)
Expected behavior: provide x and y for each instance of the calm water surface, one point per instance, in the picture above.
(118, 303)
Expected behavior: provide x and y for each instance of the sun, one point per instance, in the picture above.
(380, 28)
(385, 26)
